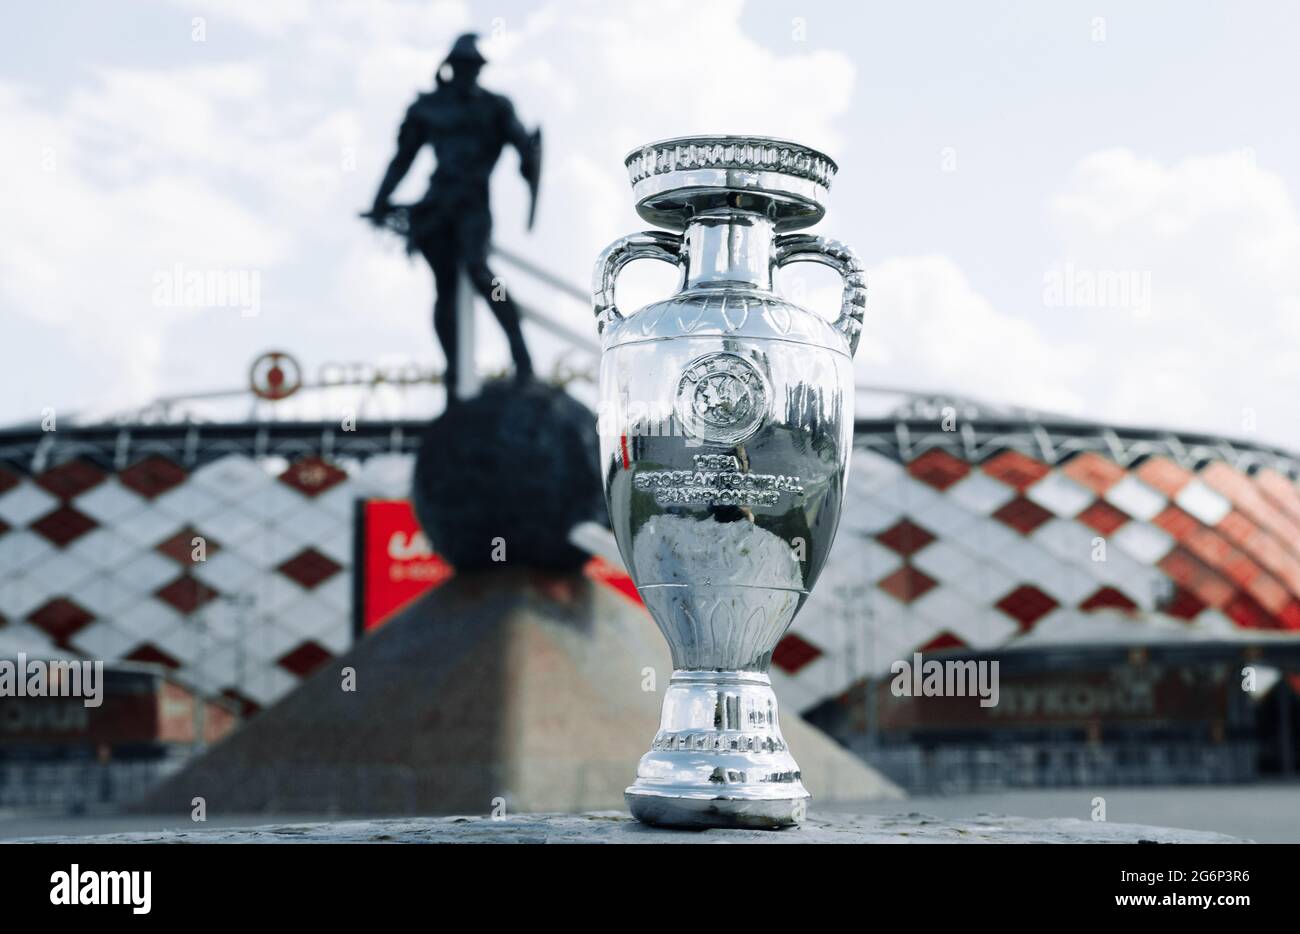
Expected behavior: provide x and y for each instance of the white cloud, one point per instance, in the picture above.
(260, 162)
(274, 19)
(927, 329)
(1219, 238)
(99, 206)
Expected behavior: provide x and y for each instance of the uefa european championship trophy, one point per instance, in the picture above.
(726, 421)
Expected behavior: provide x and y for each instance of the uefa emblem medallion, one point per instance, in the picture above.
(721, 398)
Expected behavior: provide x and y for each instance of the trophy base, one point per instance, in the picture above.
(664, 809)
(719, 759)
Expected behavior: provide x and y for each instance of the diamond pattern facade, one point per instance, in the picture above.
(939, 551)
(237, 574)
(63, 525)
(938, 548)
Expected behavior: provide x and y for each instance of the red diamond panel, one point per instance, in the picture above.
(312, 476)
(60, 619)
(1281, 490)
(1283, 529)
(1290, 615)
(1248, 497)
(1108, 598)
(1183, 604)
(1164, 475)
(1181, 566)
(793, 653)
(152, 476)
(1016, 470)
(8, 481)
(1245, 612)
(305, 659)
(1266, 549)
(938, 468)
(148, 652)
(1237, 528)
(1214, 590)
(1210, 548)
(1102, 517)
(180, 547)
(1240, 569)
(944, 640)
(1290, 577)
(1026, 605)
(906, 584)
(1095, 472)
(64, 525)
(1190, 573)
(905, 537)
(1022, 514)
(1252, 499)
(1269, 593)
(186, 594)
(1177, 523)
(70, 479)
(309, 567)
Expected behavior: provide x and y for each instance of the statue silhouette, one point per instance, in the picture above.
(467, 126)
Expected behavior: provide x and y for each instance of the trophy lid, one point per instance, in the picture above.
(675, 179)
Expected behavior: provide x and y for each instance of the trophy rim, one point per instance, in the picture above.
(730, 139)
(786, 180)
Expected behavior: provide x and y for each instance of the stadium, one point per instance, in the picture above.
(1140, 588)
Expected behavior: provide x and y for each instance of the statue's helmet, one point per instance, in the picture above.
(465, 51)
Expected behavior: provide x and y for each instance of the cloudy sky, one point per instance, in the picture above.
(1079, 207)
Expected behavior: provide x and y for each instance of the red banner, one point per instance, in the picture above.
(398, 565)
(397, 561)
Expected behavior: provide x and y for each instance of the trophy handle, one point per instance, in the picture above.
(805, 248)
(649, 244)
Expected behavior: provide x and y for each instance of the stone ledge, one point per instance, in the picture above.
(618, 827)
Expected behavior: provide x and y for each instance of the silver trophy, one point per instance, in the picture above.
(726, 421)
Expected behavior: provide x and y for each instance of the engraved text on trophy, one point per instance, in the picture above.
(717, 480)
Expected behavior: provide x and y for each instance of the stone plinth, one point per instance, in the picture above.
(618, 827)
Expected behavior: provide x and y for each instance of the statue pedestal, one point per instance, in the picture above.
(503, 689)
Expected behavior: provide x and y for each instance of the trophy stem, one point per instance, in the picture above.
(729, 248)
(719, 759)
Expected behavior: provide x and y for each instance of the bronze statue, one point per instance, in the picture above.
(467, 126)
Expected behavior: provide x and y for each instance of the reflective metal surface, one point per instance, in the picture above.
(729, 171)
(726, 419)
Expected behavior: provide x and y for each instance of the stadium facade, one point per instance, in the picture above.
(243, 556)
(1139, 590)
